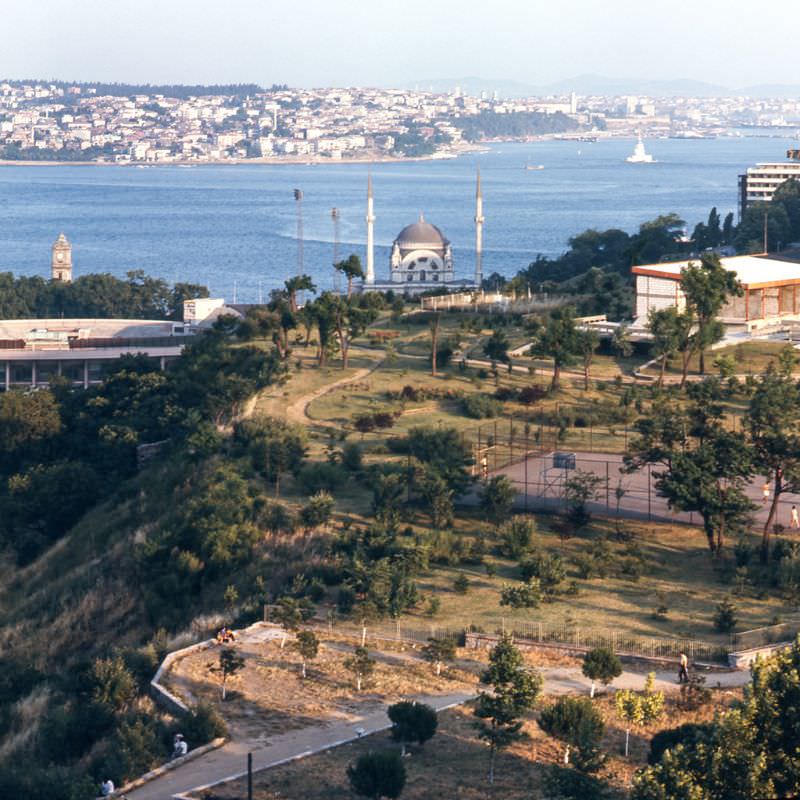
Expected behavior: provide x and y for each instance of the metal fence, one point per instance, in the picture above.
(532, 631)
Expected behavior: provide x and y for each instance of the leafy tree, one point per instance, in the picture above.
(670, 330)
(307, 645)
(497, 498)
(361, 664)
(516, 537)
(577, 723)
(351, 268)
(274, 446)
(412, 722)
(621, 342)
(547, 568)
(439, 651)
(725, 616)
(514, 690)
(317, 511)
(639, 709)
(28, 421)
(579, 489)
(601, 664)
(435, 322)
(496, 347)
(299, 283)
(773, 422)
(587, 344)
(707, 287)
(527, 594)
(558, 341)
(377, 775)
(114, 686)
(230, 662)
(290, 613)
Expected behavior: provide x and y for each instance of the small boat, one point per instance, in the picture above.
(640, 155)
(534, 166)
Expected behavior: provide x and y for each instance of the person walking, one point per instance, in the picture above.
(683, 669)
(795, 522)
(765, 493)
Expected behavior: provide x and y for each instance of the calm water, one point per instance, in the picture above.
(223, 224)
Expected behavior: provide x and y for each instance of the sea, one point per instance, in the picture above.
(235, 228)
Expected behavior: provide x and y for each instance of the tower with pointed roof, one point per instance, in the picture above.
(370, 276)
(61, 260)
(478, 231)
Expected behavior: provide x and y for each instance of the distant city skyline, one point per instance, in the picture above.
(351, 43)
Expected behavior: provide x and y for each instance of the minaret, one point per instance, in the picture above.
(370, 236)
(478, 231)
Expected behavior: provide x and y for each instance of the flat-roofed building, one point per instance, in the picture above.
(759, 183)
(33, 351)
(771, 291)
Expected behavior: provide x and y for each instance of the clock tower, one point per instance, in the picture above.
(61, 261)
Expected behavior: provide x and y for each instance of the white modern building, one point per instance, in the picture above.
(759, 183)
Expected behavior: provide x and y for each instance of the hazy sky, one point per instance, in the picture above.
(398, 42)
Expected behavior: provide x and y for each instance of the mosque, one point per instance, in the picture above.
(422, 257)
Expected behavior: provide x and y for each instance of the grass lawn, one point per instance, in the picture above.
(677, 571)
(751, 358)
(454, 763)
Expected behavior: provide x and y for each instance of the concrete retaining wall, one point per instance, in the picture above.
(744, 658)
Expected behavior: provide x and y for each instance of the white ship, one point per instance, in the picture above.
(639, 155)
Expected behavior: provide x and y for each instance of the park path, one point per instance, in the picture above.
(230, 761)
(297, 411)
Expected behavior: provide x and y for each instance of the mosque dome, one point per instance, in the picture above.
(422, 236)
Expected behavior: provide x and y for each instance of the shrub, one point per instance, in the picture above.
(352, 457)
(548, 568)
(480, 406)
(725, 619)
(516, 537)
(461, 584)
(202, 724)
(688, 735)
(497, 498)
(601, 664)
(377, 775)
(319, 476)
(577, 722)
(412, 722)
(521, 595)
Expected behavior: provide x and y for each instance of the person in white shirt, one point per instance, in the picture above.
(107, 787)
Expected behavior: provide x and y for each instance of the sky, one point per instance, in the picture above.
(398, 42)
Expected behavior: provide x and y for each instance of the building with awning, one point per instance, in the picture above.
(771, 291)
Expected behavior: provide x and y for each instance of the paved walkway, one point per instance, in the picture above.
(230, 761)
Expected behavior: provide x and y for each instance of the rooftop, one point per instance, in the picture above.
(753, 271)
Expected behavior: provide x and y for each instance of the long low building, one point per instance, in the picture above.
(33, 351)
(771, 291)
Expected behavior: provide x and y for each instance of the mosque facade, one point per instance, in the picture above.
(421, 257)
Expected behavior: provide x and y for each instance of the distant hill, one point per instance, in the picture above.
(127, 89)
(589, 84)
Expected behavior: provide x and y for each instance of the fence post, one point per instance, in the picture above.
(540, 631)
(649, 493)
(249, 776)
(608, 487)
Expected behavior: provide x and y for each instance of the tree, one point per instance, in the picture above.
(497, 498)
(438, 651)
(317, 511)
(587, 344)
(275, 447)
(580, 489)
(361, 664)
(230, 662)
(300, 283)
(351, 268)
(496, 347)
(621, 342)
(773, 422)
(346, 318)
(707, 286)
(670, 330)
(558, 340)
(290, 614)
(412, 722)
(377, 775)
(434, 325)
(516, 537)
(307, 646)
(514, 690)
(601, 664)
(725, 616)
(577, 723)
(639, 709)
(527, 594)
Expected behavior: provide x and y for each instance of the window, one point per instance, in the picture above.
(422, 275)
(410, 277)
(436, 276)
(422, 259)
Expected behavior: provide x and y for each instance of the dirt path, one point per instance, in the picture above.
(297, 411)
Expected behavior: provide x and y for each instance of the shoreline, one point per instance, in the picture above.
(260, 161)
